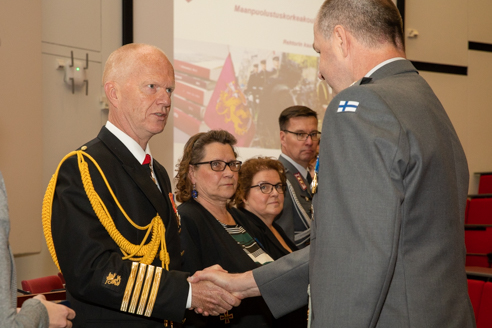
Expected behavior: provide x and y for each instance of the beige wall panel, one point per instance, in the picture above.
(452, 92)
(479, 124)
(480, 21)
(442, 27)
(153, 23)
(110, 28)
(70, 119)
(72, 23)
(21, 120)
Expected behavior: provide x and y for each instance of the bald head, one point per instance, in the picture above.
(121, 63)
(138, 81)
(372, 22)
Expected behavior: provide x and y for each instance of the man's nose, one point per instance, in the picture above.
(164, 98)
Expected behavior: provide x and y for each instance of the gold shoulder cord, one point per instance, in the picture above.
(140, 253)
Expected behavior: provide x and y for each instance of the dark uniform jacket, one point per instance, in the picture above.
(91, 262)
(295, 218)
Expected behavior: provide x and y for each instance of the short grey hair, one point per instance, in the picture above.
(120, 61)
(372, 22)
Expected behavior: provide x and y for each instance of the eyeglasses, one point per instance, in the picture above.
(267, 188)
(219, 165)
(301, 136)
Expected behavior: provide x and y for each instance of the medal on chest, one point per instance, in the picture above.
(178, 218)
(314, 183)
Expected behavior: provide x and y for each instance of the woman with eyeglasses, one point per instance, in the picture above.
(210, 232)
(260, 197)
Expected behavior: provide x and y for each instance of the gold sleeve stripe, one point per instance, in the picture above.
(138, 287)
(153, 293)
(145, 290)
(129, 287)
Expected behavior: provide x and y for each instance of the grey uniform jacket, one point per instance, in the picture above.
(387, 242)
(33, 313)
(295, 218)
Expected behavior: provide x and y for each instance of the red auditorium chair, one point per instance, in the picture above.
(42, 285)
(478, 241)
(475, 288)
(61, 278)
(479, 210)
(478, 260)
(485, 183)
(484, 318)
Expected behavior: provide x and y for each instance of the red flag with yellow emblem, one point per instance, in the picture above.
(228, 107)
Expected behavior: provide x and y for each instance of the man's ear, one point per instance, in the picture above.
(283, 135)
(112, 94)
(341, 39)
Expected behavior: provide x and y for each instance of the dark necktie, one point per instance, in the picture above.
(309, 178)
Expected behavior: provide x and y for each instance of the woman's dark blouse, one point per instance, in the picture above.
(274, 248)
(205, 242)
(269, 242)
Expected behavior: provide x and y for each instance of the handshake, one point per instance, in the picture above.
(214, 291)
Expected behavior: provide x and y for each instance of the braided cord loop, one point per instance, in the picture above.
(143, 253)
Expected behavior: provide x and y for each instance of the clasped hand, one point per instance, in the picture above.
(215, 291)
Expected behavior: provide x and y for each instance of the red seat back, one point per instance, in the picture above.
(479, 241)
(475, 289)
(61, 277)
(42, 285)
(484, 318)
(479, 211)
(477, 261)
(485, 184)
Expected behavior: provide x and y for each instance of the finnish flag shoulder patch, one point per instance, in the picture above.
(347, 106)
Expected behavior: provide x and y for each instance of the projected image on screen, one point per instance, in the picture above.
(241, 90)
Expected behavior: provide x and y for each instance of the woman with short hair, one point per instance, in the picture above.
(260, 197)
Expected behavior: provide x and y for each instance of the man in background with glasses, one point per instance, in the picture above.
(299, 137)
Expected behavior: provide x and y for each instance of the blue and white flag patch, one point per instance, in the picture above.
(347, 106)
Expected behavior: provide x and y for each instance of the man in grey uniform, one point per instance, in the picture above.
(387, 242)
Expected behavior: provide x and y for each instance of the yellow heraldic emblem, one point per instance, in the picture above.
(233, 105)
(143, 275)
(111, 279)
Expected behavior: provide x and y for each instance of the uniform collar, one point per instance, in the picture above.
(129, 143)
(299, 168)
(382, 64)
